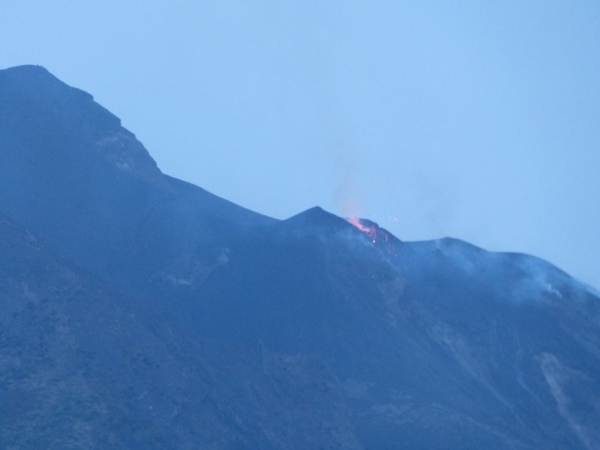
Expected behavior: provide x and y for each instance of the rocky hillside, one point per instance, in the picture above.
(138, 311)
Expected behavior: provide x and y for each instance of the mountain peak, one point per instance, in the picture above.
(316, 217)
(41, 114)
(134, 312)
(27, 80)
(30, 71)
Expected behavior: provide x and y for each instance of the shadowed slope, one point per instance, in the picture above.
(71, 173)
(86, 367)
(241, 331)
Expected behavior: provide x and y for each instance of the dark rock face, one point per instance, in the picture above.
(139, 311)
(84, 367)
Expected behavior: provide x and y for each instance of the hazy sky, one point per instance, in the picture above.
(473, 119)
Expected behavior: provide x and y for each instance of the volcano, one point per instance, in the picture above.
(138, 311)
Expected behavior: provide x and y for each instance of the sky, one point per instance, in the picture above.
(471, 119)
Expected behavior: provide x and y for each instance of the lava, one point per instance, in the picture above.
(376, 235)
(370, 231)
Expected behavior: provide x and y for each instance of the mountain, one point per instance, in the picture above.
(140, 311)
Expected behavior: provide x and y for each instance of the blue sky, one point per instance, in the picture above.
(472, 119)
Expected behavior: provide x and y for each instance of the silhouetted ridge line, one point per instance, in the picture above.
(138, 311)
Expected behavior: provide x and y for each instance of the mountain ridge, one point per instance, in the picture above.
(179, 319)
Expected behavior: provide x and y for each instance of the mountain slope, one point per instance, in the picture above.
(72, 174)
(157, 315)
(437, 343)
(84, 367)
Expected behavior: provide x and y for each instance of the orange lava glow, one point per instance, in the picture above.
(375, 234)
(369, 231)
